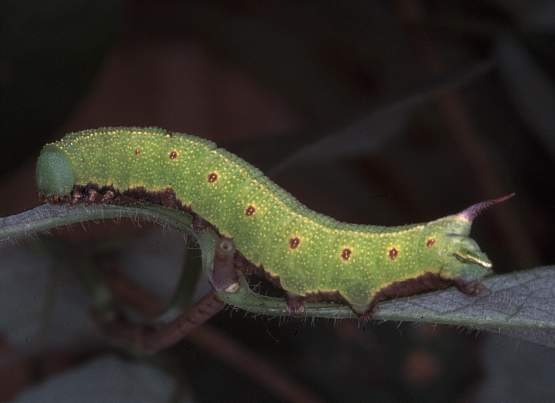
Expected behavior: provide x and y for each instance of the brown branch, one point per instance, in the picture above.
(153, 339)
(213, 341)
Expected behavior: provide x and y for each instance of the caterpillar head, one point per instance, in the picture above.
(55, 176)
(459, 254)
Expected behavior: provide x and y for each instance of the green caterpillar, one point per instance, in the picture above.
(309, 254)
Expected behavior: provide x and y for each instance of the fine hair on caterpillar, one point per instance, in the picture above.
(306, 254)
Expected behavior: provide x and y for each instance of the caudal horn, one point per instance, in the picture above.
(470, 213)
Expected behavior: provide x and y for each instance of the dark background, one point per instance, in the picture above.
(430, 105)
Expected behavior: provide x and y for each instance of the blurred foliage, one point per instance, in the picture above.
(108, 379)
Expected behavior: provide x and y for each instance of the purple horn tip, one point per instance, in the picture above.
(473, 211)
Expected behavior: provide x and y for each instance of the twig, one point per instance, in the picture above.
(151, 340)
(216, 343)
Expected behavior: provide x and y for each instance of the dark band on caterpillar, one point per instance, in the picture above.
(92, 193)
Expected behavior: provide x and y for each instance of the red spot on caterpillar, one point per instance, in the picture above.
(346, 254)
(212, 177)
(430, 242)
(250, 210)
(137, 151)
(294, 242)
(173, 155)
(393, 253)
